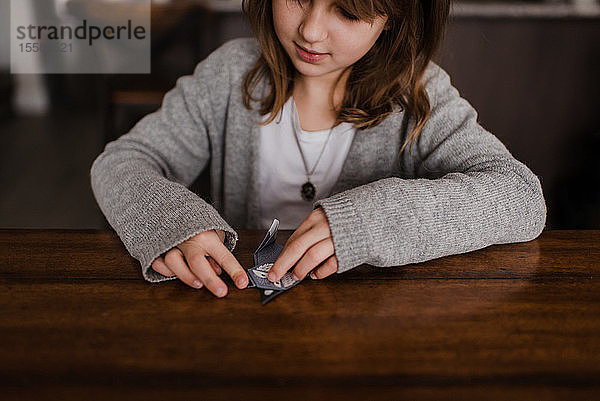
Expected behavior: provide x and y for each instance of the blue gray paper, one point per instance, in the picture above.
(264, 257)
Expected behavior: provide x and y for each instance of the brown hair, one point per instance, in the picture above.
(389, 74)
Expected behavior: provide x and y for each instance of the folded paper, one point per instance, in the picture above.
(264, 257)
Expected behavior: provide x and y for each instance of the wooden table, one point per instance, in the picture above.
(509, 322)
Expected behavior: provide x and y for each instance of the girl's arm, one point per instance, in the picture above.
(140, 180)
(467, 193)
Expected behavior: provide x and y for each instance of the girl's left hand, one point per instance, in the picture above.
(310, 245)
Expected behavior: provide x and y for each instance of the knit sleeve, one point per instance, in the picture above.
(140, 180)
(468, 192)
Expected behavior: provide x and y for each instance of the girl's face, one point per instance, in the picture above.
(321, 38)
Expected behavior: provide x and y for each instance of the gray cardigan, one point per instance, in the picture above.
(456, 190)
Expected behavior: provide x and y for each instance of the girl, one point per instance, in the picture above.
(334, 120)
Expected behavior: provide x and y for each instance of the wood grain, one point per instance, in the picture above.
(518, 321)
(91, 254)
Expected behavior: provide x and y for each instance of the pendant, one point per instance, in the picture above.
(308, 191)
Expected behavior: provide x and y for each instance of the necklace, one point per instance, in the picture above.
(308, 191)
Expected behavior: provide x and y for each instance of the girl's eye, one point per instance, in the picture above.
(348, 15)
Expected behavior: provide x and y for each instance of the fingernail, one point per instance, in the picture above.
(272, 277)
(197, 284)
(221, 292)
(313, 276)
(294, 277)
(241, 282)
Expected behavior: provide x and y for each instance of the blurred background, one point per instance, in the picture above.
(530, 68)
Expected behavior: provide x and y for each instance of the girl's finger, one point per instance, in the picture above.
(315, 255)
(221, 235)
(209, 244)
(202, 269)
(214, 265)
(302, 228)
(176, 263)
(326, 269)
(195, 255)
(294, 251)
(315, 216)
(159, 266)
(224, 258)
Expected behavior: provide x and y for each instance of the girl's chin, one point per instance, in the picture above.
(316, 71)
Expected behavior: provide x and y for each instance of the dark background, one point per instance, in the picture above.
(531, 71)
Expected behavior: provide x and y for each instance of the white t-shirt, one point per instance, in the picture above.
(281, 170)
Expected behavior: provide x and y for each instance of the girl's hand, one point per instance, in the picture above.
(199, 260)
(311, 246)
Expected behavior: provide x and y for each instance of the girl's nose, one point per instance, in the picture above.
(313, 25)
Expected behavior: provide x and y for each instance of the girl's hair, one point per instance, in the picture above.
(390, 73)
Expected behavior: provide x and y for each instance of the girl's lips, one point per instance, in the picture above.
(309, 57)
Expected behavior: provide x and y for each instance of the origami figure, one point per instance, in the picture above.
(264, 257)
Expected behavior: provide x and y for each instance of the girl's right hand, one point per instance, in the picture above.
(199, 260)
